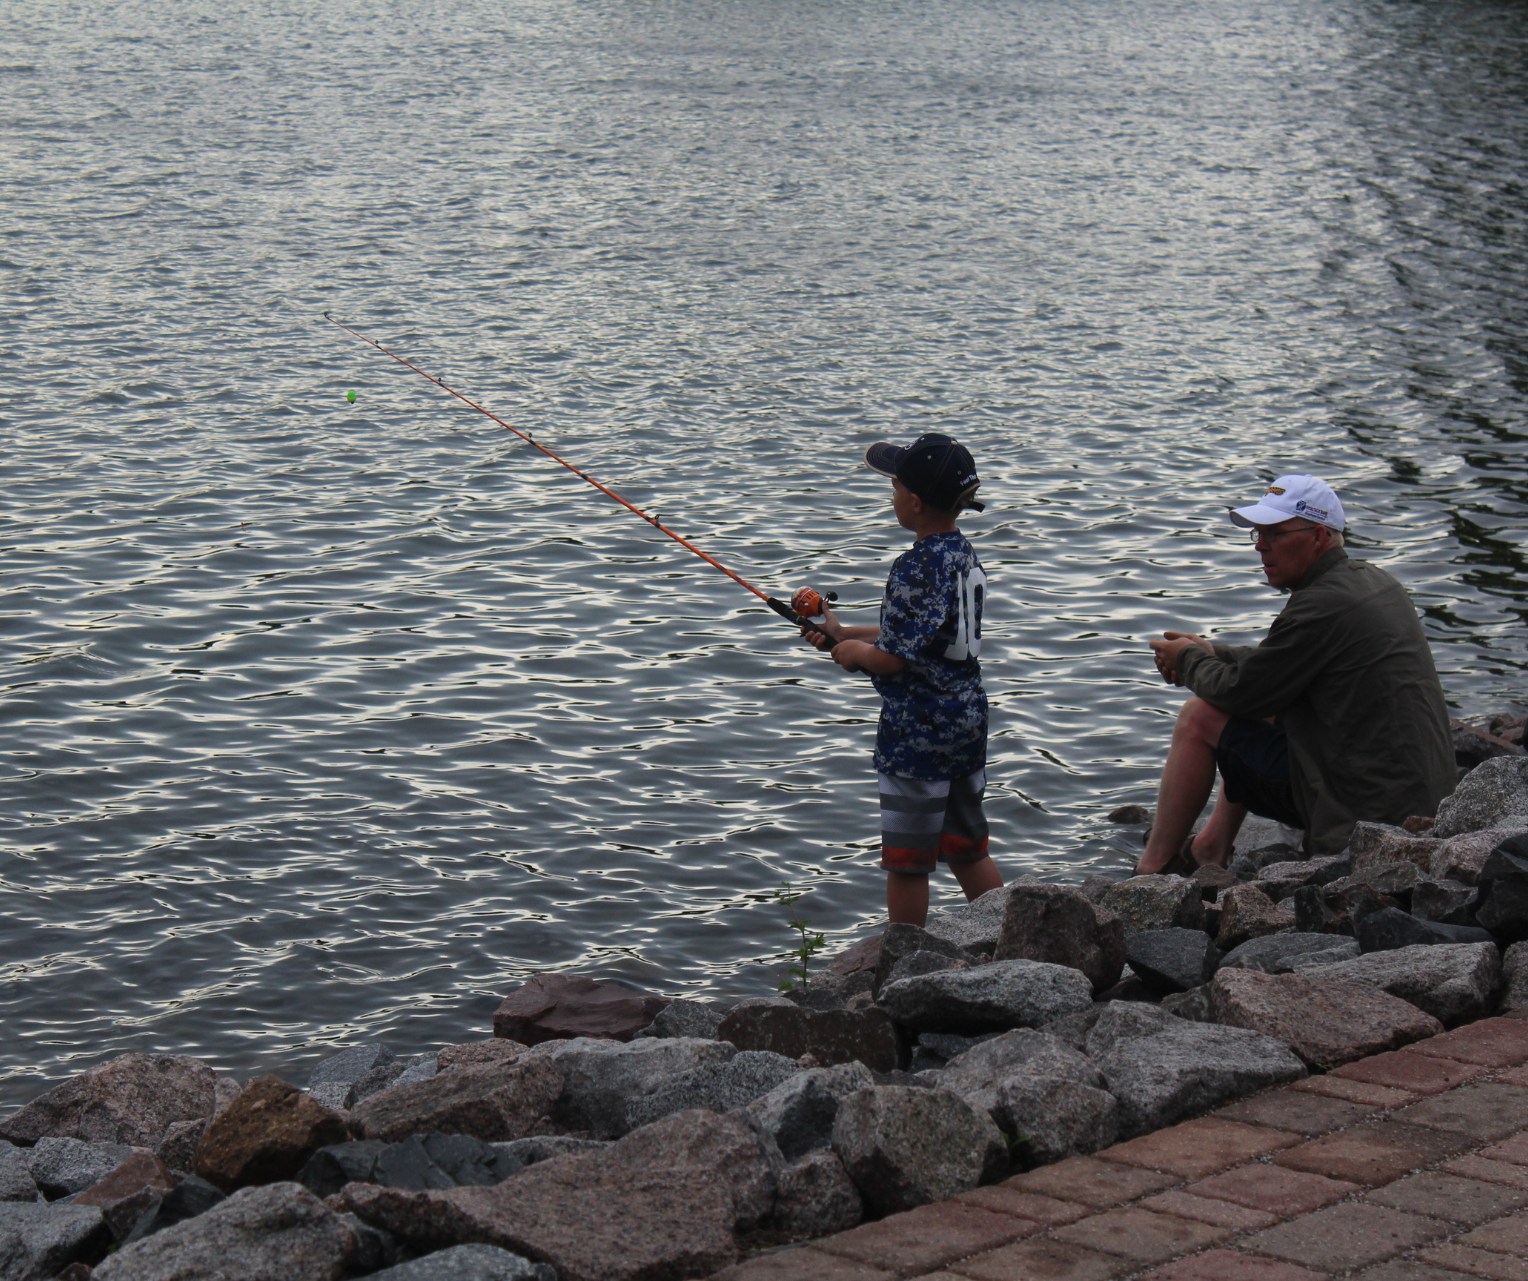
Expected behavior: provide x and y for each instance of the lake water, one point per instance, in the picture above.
(328, 721)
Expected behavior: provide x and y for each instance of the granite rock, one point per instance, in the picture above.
(61, 1167)
(1172, 960)
(38, 1241)
(131, 1099)
(552, 1007)
(829, 1036)
(468, 1263)
(1060, 926)
(1504, 890)
(1247, 913)
(686, 1018)
(994, 997)
(816, 1197)
(1326, 1022)
(1289, 951)
(1389, 927)
(1493, 794)
(266, 1135)
(1514, 966)
(259, 1233)
(602, 1078)
(798, 1114)
(16, 1182)
(904, 1147)
(1156, 903)
(1054, 1117)
(980, 1073)
(721, 1087)
(974, 926)
(1455, 983)
(900, 941)
(493, 1101)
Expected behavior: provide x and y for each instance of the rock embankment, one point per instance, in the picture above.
(605, 1135)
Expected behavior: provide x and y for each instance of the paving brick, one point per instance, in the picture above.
(1089, 1181)
(800, 1262)
(1448, 1196)
(1484, 1110)
(1044, 1260)
(1274, 1189)
(1199, 1147)
(1341, 1087)
(1409, 1070)
(1346, 1236)
(924, 1239)
(1223, 1214)
(1373, 1153)
(1231, 1265)
(1508, 1234)
(1041, 1210)
(1482, 1167)
(1476, 1263)
(1495, 1042)
(1300, 1111)
(1514, 1150)
(1408, 1270)
(1141, 1235)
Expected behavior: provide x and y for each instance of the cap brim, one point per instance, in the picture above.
(884, 458)
(1257, 514)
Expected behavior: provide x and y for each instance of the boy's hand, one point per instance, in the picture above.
(849, 654)
(823, 635)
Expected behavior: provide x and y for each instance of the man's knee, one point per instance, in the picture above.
(1202, 721)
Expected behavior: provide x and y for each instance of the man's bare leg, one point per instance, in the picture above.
(1187, 780)
(1214, 843)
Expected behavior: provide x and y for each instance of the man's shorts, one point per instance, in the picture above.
(1253, 758)
(925, 823)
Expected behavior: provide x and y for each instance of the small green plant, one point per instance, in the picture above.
(807, 946)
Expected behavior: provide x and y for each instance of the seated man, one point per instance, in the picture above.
(1337, 716)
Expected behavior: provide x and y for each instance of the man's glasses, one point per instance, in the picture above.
(1271, 536)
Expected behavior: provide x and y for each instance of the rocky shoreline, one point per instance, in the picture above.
(605, 1135)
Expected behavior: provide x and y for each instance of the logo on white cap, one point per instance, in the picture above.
(1290, 497)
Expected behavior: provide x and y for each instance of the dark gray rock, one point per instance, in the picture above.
(1163, 1069)
(543, 1147)
(1446, 901)
(469, 1263)
(906, 1147)
(178, 1147)
(333, 1082)
(973, 926)
(602, 1077)
(980, 1073)
(331, 1168)
(1514, 965)
(1193, 1005)
(1389, 927)
(189, 1198)
(495, 1101)
(1060, 926)
(16, 1182)
(995, 997)
(719, 1086)
(829, 1036)
(279, 1230)
(685, 1018)
(1248, 864)
(1460, 858)
(798, 1114)
(1156, 903)
(1052, 1117)
(910, 967)
(443, 1161)
(60, 1167)
(131, 1099)
(1455, 983)
(1172, 960)
(38, 1241)
(816, 1198)
(1283, 953)
(900, 941)
(1493, 794)
(1504, 890)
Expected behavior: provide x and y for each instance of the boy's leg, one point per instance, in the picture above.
(912, 817)
(963, 840)
(907, 898)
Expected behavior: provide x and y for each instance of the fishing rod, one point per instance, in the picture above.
(807, 605)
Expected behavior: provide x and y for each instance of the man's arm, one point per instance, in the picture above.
(1262, 681)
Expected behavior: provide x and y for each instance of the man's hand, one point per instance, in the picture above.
(1169, 649)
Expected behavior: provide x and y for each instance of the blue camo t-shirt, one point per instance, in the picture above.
(934, 711)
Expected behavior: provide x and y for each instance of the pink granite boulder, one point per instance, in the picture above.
(551, 1007)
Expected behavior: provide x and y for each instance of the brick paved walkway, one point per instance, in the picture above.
(1407, 1166)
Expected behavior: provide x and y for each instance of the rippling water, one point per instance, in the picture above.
(325, 721)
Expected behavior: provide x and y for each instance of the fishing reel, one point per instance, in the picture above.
(812, 605)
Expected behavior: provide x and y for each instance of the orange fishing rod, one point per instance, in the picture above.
(809, 602)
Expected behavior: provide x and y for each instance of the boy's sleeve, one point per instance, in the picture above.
(911, 615)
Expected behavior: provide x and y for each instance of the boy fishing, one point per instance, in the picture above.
(931, 744)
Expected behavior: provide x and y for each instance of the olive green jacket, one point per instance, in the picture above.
(1346, 669)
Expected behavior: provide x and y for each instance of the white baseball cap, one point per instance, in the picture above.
(1290, 497)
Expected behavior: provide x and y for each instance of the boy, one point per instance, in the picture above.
(931, 745)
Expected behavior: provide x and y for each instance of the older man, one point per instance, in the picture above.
(1336, 717)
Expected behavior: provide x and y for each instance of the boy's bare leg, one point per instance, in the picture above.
(1187, 779)
(907, 898)
(977, 878)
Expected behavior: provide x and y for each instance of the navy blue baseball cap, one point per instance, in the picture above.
(938, 469)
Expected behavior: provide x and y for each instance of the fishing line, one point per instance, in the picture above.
(780, 607)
